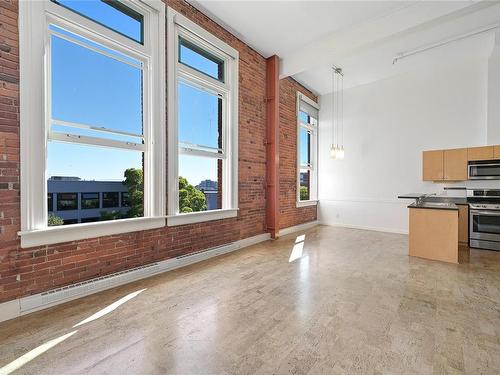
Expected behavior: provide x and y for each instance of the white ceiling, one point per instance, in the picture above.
(362, 37)
(277, 27)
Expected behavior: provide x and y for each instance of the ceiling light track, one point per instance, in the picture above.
(482, 30)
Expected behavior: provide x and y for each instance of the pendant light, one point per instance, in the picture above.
(337, 146)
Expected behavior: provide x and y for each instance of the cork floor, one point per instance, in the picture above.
(342, 301)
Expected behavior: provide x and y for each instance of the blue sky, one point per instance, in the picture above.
(90, 88)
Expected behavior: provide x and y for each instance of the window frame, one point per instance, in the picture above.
(34, 39)
(180, 26)
(313, 165)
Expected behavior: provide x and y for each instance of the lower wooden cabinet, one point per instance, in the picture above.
(463, 224)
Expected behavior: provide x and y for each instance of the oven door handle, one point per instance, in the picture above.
(485, 213)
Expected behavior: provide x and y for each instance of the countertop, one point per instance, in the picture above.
(434, 202)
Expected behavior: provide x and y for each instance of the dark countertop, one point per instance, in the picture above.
(455, 200)
(434, 202)
(435, 206)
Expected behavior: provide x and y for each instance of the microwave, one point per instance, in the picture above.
(484, 170)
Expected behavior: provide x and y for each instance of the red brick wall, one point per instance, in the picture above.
(32, 270)
(290, 215)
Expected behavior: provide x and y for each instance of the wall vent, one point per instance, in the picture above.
(70, 292)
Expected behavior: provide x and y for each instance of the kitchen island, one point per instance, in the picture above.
(438, 228)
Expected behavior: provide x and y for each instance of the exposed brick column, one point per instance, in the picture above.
(272, 145)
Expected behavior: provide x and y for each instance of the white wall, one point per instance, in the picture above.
(387, 124)
(493, 133)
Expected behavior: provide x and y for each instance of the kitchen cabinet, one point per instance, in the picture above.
(481, 153)
(455, 164)
(433, 234)
(463, 223)
(432, 165)
(496, 152)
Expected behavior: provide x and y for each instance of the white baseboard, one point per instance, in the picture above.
(25, 305)
(375, 229)
(298, 228)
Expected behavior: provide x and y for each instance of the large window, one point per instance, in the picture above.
(100, 90)
(203, 125)
(307, 144)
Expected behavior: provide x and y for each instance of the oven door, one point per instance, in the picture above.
(489, 171)
(485, 225)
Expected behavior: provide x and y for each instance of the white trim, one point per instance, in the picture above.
(307, 203)
(35, 116)
(228, 91)
(298, 228)
(74, 232)
(362, 227)
(199, 217)
(308, 100)
(13, 309)
(313, 166)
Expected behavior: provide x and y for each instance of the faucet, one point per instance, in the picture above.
(422, 198)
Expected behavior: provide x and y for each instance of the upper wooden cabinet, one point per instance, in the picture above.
(455, 164)
(481, 153)
(433, 165)
(496, 152)
(451, 165)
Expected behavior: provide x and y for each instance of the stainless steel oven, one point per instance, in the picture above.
(484, 217)
(484, 170)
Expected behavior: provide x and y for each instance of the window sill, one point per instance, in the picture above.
(307, 203)
(52, 235)
(199, 217)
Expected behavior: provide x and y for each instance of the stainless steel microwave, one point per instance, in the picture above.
(484, 170)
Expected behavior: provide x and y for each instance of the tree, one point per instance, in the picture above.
(190, 198)
(55, 220)
(304, 193)
(135, 184)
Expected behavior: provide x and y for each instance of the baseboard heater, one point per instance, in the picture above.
(67, 293)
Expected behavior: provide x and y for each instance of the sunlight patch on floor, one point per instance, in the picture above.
(32, 354)
(109, 308)
(298, 248)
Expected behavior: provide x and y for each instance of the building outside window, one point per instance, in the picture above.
(307, 150)
(100, 65)
(110, 200)
(203, 128)
(50, 202)
(125, 199)
(90, 201)
(67, 201)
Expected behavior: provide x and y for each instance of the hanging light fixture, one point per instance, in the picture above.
(337, 146)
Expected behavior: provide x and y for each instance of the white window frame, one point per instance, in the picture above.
(34, 20)
(313, 167)
(178, 25)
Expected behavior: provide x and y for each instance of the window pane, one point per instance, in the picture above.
(110, 199)
(305, 185)
(67, 201)
(50, 202)
(90, 200)
(200, 117)
(307, 119)
(94, 89)
(204, 62)
(125, 199)
(305, 147)
(90, 171)
(111, 14)
(200, 183)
